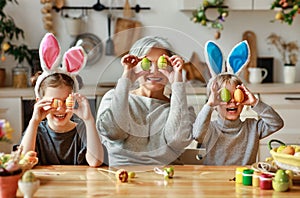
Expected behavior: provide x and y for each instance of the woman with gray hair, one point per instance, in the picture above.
(144, 126)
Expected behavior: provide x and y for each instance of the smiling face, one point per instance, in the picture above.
(60, 117)
(154, 80)
(230, 110)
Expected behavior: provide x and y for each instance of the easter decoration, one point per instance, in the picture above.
(145, 64)
(167, 172)
(28, 184)
(74, 60)
(121, 175)
(237, 59)
(162, 62)
(200, 16)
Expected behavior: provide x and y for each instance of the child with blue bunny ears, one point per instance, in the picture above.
(228, 140)
(53, 132)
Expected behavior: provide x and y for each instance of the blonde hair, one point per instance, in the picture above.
(223, 79)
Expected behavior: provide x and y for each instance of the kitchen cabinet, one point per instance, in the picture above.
(239, 5)
(288, 107)
(186, 5)
(262, 4)
(11, 110)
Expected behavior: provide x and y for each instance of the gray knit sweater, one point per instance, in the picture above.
(138, 130)
(234, 142)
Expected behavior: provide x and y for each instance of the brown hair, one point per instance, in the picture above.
(56, 80)
(224, 78)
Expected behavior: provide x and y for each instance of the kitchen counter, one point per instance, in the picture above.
(188, 181)
(92, 90)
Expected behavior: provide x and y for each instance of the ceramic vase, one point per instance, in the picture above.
(289, 74)
(9, 186)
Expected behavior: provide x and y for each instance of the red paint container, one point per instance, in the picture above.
(265, 181)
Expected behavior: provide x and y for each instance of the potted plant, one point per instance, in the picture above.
(10, 33)
(289, 55)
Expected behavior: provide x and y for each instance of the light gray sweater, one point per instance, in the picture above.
(234, 142)
(138, 130)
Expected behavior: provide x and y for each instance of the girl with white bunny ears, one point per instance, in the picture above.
(228, 140)
(53, 132)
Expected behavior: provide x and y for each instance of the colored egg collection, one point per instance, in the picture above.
(238, 95)
(162, 63)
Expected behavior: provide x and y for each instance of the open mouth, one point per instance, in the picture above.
(154, 79)
(60, 116)
(232, 110)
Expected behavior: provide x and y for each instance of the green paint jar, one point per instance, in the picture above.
(247, 177)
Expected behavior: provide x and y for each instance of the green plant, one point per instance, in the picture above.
(287, 10)
(10, 32)
(200, 16)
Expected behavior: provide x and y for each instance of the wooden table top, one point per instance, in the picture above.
(188, 181)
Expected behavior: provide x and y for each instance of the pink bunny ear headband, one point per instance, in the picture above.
(73, 62)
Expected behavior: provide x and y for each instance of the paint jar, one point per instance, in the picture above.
(239, 174)
(265, 181)
(247, 177)
(255, 179)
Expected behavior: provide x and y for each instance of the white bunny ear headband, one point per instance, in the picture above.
(50, 53)
(237, 59)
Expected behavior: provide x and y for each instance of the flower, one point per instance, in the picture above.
(15, 163)
(5, 131)
(287, 10)
(287, 50)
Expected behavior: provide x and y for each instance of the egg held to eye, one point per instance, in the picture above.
(162, 62)
(145, 64)
(225, 95)
(238, 95)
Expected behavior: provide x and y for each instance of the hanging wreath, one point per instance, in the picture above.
(199, 15)
(287, 10)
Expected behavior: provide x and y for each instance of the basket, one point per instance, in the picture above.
(284, 161)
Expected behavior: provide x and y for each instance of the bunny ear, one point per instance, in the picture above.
(238, 58)
(49, 52)
(214, 58)
(74, 60)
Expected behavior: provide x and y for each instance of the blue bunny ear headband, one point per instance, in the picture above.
(237, 59)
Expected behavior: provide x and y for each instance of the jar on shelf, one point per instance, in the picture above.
(20, 76)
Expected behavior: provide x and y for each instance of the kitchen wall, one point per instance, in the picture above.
(163, 19)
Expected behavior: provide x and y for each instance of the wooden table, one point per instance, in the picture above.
(188, 181)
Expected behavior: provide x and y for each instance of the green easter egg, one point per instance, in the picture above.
(281, 176)
(162, 62)
(28, 176)
(225, 95)
(145, 64)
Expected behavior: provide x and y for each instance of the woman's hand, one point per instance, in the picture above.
(41, 108)
(130, 62)
(174, 75)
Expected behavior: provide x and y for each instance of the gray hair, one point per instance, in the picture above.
(142, 46)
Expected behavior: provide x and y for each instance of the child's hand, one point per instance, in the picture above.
(250, 99)
(214, 97)
(175, 74)
(84, 110)
(41, 108)
(130, 62)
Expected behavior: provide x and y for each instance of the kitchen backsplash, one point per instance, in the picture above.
(164, 19)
